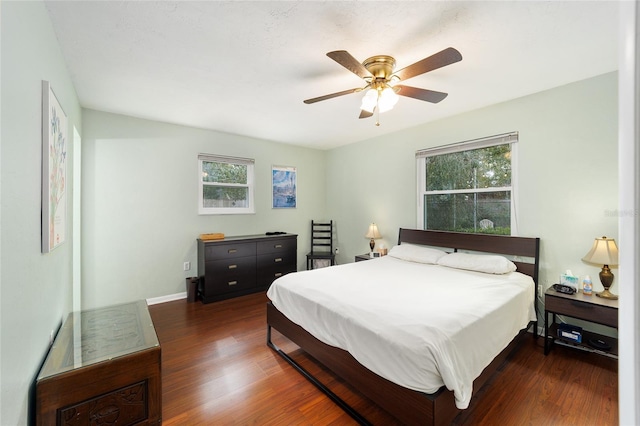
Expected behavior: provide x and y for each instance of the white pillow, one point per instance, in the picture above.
(415, 253)
(490, 264)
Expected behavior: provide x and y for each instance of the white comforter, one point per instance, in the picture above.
(419, 326)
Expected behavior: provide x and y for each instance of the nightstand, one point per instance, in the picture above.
(592, 308)
(366, 256)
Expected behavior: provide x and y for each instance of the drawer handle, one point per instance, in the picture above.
(233, 266)
(278, 246)
(232, 282)
(232, 251)
(582, 305)
(278, 274)
(277, 259)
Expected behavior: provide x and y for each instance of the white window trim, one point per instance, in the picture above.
(250, 185)
(514, 189)
(421, 174)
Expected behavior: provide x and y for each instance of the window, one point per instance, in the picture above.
(225, 185)
(468, 186)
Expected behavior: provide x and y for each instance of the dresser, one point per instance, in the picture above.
(103, 369)
(235, 266)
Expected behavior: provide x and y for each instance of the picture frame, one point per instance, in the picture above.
(54, 170)
(284, 187)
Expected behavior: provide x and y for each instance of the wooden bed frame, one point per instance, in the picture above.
(408, 406)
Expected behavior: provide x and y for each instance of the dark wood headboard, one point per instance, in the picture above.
(497, 244)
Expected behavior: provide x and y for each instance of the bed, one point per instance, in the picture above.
(386, 328)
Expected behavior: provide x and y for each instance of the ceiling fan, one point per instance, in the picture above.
(381, 81)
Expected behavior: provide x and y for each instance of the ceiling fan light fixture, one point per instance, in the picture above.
(382, 99)
(388, 99)
(369, 100)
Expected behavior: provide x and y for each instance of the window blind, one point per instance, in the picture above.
(511, 137)
(223, 159)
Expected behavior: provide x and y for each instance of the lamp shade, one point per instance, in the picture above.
(373, 231)
(603, 252)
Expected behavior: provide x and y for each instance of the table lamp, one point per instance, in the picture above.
(373, 234)
(604, 252)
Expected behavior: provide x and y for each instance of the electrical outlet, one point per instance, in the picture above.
(337, 250)
(186, 266)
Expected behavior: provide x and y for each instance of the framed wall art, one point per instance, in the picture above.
(54, 170)
(284, 187)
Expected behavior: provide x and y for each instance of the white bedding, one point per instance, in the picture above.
(420, 326)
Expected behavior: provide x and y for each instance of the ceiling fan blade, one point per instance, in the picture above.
(421, 94)
(332, 95)
(365, 114)
(443, 58)
(345, 59)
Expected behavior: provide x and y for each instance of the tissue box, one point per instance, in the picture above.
(569, 280)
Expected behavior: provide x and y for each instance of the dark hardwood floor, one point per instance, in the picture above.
(217, 369)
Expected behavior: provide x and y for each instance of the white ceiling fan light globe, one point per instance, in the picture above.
(388, 99)
(369, 100)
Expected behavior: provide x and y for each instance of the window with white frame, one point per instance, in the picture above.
(225, 185)
(468, 186)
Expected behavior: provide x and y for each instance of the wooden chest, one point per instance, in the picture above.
(103, 369)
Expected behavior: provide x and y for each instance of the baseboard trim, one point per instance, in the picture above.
(167, 298)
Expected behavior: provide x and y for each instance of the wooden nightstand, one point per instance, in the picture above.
(366, 256)
(592, 308)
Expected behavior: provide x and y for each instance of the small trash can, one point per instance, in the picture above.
(192, 289)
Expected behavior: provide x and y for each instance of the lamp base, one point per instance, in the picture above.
(606, 278)
(606, 294)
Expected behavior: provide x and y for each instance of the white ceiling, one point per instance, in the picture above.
(245, 67)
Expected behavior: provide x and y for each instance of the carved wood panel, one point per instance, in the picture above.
(125, 406)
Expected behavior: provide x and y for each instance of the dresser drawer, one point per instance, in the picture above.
(267, 275)
(275, 259)
(230, 266)
(231, 250)
(228, 283)
(275, 265)
(586, 311)
(229, 275)
(277, 246)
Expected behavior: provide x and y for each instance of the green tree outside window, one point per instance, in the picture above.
(469, 191)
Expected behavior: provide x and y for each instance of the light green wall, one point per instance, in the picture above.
(139, 200)
(35, 288)
(567, 171)
(139, 191)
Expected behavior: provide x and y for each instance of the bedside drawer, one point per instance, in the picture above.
(586, 311)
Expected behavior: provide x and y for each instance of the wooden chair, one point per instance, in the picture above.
(321, 243)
